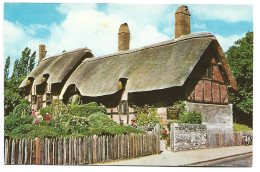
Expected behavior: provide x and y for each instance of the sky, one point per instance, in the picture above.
(95, 25)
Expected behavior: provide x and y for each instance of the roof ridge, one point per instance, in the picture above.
(67, 52)
(171, 41)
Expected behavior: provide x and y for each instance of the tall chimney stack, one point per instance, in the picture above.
(41, 52)
(182, 21)
(123, 37)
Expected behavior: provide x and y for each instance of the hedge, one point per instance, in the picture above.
(44, 111)
(86, 110)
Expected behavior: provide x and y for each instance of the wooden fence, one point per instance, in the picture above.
(215, 140)
(80, 150)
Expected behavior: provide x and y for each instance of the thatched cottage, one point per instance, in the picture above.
(191, 67)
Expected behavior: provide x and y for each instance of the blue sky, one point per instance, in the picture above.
(70, 26)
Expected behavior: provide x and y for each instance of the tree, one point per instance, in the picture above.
(240, 59)
(22, 67)
(6, 70)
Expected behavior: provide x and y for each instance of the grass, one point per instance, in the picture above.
(241, 127)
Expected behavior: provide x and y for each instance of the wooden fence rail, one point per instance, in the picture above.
(215, 140)
(80, 150)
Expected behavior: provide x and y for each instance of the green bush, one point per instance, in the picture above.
(33, 131)
(86, 110)
(185, 117)
(58, 109)
(44, 111)
(191, 117)
(146, 116)
(118, 129)
(114, 130)
(241, 127)
(11, 100)
(76, 125)
(173, 121)
(100, 120)
(21, 115)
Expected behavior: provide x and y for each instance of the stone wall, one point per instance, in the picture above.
(188, 136)
(218, 118)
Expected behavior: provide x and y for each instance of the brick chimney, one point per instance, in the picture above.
(182, 21)
(123, 37)
(41, 52)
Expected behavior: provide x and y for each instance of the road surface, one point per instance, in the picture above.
(244, 160)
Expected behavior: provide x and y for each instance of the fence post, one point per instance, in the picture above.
(37, 151)
(172, 137)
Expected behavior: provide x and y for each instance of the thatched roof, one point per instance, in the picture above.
(158, 66)
(57, 67)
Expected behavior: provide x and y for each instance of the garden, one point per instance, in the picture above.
(65, 121)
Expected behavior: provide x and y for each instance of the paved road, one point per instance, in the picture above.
(182, 158)
(244, 160)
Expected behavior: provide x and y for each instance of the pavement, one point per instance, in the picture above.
(183, 158)
(244, 160)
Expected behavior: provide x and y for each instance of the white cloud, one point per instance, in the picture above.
(227, 41)
(198, 26)
(66, 8)
(15, 38)
(228, 13)
(98, 30)
(85, 26)
(32, 29)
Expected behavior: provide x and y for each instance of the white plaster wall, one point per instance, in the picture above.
(218, 118)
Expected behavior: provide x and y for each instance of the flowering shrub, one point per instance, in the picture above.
(58, 109)
(86, 110)
(164, 134)
(100, 120)
(146, 116)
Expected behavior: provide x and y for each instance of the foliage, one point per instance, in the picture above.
(86, 110)
(74, 100)
(22, 67)
(25, 64)
(33, 131)
(241, 127)
(6, 70)
(45, 110)
(180, 105)
(173, 121)
(21, 115)
(146, 116)
(191, 117)
(116, 129)
(166, 136)
(186, 117)
(100, 120)
(58, 109)
(11, 99)
(75, 125)
(240, 60)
